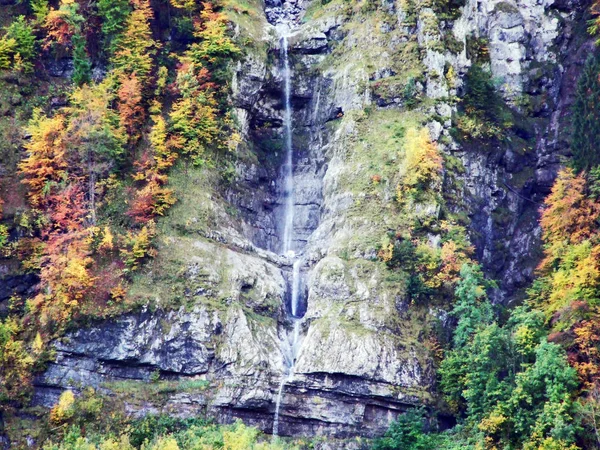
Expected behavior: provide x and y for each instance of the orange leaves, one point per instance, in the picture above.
(62, 24)
(152, 200)
(572, 255)
(65, 274)
(214, 41)
(569, 214)
(584, 354)
(45, 165)
(131, 111)
(570, 294)
(59, 30)
(65, 261)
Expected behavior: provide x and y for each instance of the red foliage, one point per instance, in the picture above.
(59, 29)
(131, 111)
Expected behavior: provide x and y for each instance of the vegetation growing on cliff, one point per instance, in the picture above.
(96, 173)
(96, 162)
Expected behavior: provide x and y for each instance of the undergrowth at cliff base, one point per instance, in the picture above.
(93, 421)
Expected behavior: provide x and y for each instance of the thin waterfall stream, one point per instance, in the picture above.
(291, 343)
(288, 167)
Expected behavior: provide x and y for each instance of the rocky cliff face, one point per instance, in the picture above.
(217, 297)
(534, 55)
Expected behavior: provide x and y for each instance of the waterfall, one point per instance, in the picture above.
(290, 345)
(296, 288)
(288, 167)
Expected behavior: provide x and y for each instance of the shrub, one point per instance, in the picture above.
(422, 164)
(15, 363)
(40, 9)
(81, 62)
(114, 14)
(408, 433)
(482, 112)
(63, 410)
(18, 46)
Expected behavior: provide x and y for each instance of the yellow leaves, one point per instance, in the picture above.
(93, 122)
(188, 5)
(38, 344)
(233, 141)
(139, 246)
(576, 278)
(15, 362)
(106, 244)
(100, 239)
(239, 437)
(451, 77)
(135, 47)
(63, 410)
(526, 339)
(214, 41)
(386, 252)
(76, 276)
(164, 154)
(194, 116)
(111, 444)
(549, 443)
(164, 443)
(46, 164)
(422, 165)
(8, 48)
(493, 423)
(569, 215)
(118, 293)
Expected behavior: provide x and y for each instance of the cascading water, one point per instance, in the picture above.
(288, 167)
(292, 341)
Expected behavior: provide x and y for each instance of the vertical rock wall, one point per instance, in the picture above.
(363, 358)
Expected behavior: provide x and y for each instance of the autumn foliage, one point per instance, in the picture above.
(568, 291)
(570, 215)
(96, 170)
(423, 163)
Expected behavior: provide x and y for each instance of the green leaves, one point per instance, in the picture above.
(472, 307)
(408, 433)
(507, 381)
(18, 46)
(114, 14)
(586, 117)
(81, 61)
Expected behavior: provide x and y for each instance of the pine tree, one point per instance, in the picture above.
(114, 15)
(585, 143)
(81, 61)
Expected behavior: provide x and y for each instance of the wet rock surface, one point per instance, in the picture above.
(360, 363)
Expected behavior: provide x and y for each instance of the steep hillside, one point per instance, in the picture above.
(275, 212)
